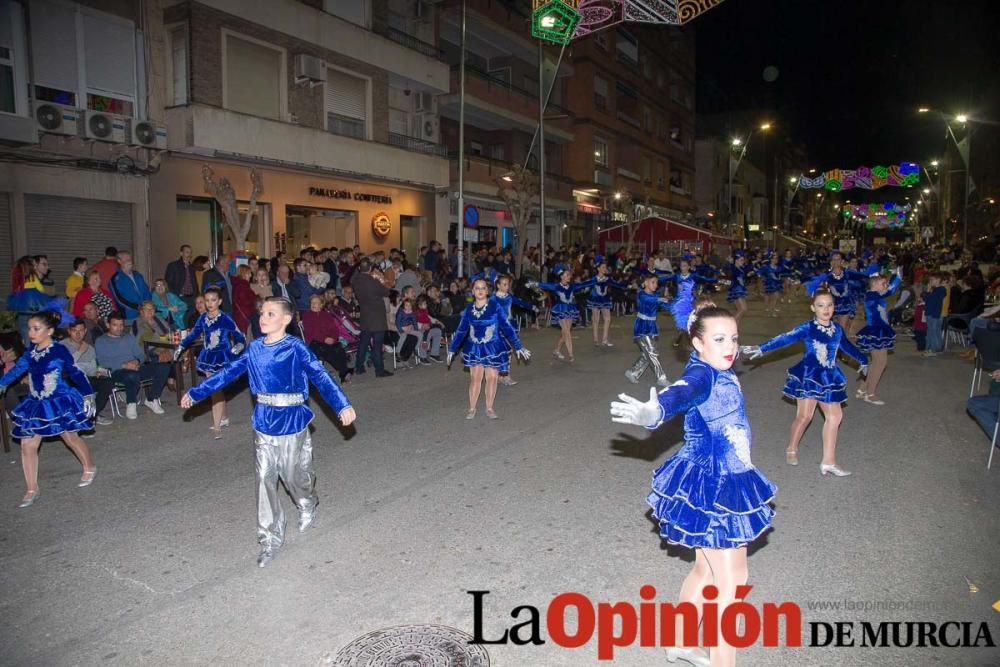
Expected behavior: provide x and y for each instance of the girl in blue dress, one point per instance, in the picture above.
(816, 379)
(51, 407)
(840, 282)
(565, 312)
(503, 298)
(774, 279)
(709, 496)
(877, 337)
(222, 345)
(682, 305)
(599, 301)
(738, 273)
(481, 335)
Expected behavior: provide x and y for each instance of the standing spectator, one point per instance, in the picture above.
(371, 295)
(432, 257)
(283, 285)
(169, 306)
(933, 304)
(85, 358)
(108, 266)
(261, 284)
(330, 266)
(408, 278)
(76, 279)
(93, 292)
(218, 276)
(181, 277)
(200, 264)
(44, 274)
(301, 281)
(129, 287)
(120, 352)
(244, 299)
(321, 333)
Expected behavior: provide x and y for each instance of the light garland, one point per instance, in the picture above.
(885, 215)
(867, 178)
(597, 15)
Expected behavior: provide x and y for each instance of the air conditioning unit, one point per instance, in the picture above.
(424, 103)
(57, 119)
(101, 126)
(309, 69)
(148, 135)
(430, 127)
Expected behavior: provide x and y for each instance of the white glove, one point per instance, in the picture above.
(531, 284)
(751, 351)
(863, 370)
(90, 406)
(177, 353)
(236, 349)
(633, 411)
(524, 353)
(451, 355)
(899, 272)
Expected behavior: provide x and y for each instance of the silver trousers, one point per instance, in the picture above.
(288, 458)
(648, 356)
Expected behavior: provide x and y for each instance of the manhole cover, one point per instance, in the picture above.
(411, 646)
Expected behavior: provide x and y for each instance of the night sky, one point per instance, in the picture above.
(853, 72)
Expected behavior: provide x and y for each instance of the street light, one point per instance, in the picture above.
(737, 142)
(934, 163)
(962, 118)
(923, 110)
(927, 191)
(793, 180)
(765, 127)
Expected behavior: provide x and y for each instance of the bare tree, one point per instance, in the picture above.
(517, 190)
(635, 213)
(223, 192)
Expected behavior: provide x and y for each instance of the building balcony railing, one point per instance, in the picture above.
(484, 169)
(494, 82)
(625, 118)
(411, 42)
(418, 145)
(622, 171)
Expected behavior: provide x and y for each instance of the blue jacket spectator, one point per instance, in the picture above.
(129, 287)
(300, 279)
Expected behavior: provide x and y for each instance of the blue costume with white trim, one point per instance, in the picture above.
(481, 335)
(738, 285)
(710, 495)
(221, 335)
(683, 304)
(877, 334)
(773, 278)
(817, 376)
(565, 307)
(647, 307)
(599, 298)
(841, 288)
(51, 406)
(505, 302)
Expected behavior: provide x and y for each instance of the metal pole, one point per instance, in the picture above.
(968, 193)
(729, 193)
(541, 159)
(460, 227)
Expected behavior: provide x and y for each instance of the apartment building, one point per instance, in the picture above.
(632, 103)
(749, 194)
(501, 116)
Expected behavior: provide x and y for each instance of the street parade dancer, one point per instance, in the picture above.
(280, 368)
(774, 279)
(877, 337)
(737, 295)
(683, 303)
(223, 343)
(505, 300)
(52, 407)
(816, 379)
(599, 302)
(645, 332)
(708, 496)
(565, 312)
(483, 336)
(841, 283)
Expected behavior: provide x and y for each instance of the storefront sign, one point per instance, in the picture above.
(381, 224)
(347, 194)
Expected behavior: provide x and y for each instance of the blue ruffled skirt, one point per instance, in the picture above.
(564, 311)
(492, 354)
(62, 412)
(644, 328)
(810, 380)
(213, 361)
(773, 286)
(736, 292)
(844, 305)
(878, 336)
(697, 508)
(599, 302)
(681, 309)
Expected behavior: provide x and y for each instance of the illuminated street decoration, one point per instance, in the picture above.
(600, 14)
(555, 20)
(882, 215)
(866, 178)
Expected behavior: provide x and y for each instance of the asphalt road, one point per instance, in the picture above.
(155, 563)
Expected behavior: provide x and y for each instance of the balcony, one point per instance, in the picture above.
(210, 131)
(622, 171)
(419, 145)
(481, 173)
(630, 120)
(411, 42)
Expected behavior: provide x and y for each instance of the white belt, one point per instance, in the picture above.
(281, 400)
(651, 318)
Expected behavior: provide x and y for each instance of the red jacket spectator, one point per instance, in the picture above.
(319, 326)
(85, 295)
(244, 302)
(107, 267)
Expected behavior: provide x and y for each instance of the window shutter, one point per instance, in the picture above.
(53, 46)
(109, 50)
(346, 95)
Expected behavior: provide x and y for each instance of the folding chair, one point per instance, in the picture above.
(987, 342)
(957, 327)
(118, 394)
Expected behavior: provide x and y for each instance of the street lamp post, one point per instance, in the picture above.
(743, 146)
(966, 155)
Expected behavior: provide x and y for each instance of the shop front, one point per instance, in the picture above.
(295, 210)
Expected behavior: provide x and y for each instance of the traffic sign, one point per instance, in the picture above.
(470, 216)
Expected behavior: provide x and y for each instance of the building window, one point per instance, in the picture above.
(475, 148)
(647, 170)
(254, 77)
(497, 151)
(355, 11)
(601, 151)
(601, 39)
(6, 81)
(647, 119)
(661, 127)
(46, 94)
(109, 104)
(346, 104)
(627, 47)
(600, 94)
(178, 61)
(659, 79)
(676, 130)
(660, 182)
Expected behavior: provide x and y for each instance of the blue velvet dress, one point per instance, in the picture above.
(738, 282)
(599, 298)
(877, 334)
(773, 278)
(817, 376)
(505, 302)
(481, 335)
(284, 367)
(221, 335)
(647, 307)
(683, 304)
(843, 287)
(565, 307)
(51, 406)
(709, 494)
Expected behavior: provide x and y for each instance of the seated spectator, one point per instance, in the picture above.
(169, 307)
(321, 333)
(96, 325)
(440, 309)
(431, 330)
(456, 297)
(11, 349)
(93, 292)
(193, 315)
(150, 327)
(121, 353)
(76, 279)
(984, 408)
(85, 358)
(244, 299)
(409, 332)
(971, 297)
(283, 285)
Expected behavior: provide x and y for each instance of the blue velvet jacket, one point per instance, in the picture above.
(507, 300)
(876, 306)
(45, 371)
(647, 307)
(822, 344)
(284, 367)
